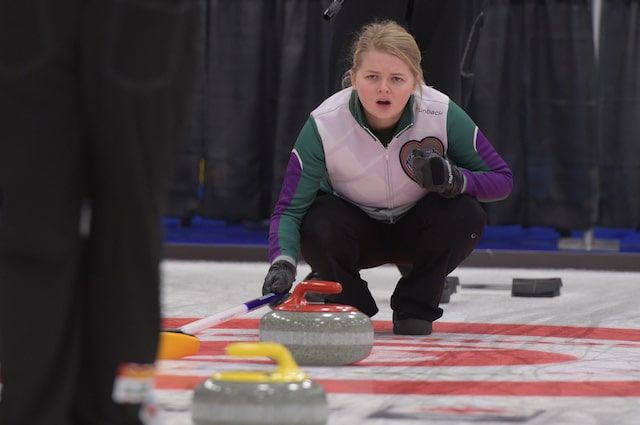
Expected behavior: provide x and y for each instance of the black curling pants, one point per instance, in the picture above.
(95, 96)
(338, 240)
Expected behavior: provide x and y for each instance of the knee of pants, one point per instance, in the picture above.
(469, 216)
(460, 222)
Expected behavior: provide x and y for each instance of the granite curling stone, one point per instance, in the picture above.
(319, 334)
(284, 396)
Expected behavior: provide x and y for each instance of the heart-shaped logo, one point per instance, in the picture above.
(426, 145)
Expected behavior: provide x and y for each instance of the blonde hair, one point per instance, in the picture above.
(386, 37)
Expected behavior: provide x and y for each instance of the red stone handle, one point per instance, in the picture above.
(298, 302)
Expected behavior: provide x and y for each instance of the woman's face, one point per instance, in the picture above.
(384, 84)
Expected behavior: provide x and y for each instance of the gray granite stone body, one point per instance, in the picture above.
(218, 402)
(320, 338)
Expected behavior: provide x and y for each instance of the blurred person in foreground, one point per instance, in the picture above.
(95, 98)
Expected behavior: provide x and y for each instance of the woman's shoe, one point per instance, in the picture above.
(406, 325)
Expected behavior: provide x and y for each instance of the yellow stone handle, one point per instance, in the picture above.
(287, 370)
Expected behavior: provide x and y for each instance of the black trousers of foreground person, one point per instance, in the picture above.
(338, 240)
(95, 96)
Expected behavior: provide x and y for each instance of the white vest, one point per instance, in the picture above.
(361, 170)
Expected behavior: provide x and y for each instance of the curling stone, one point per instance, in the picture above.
(319, 334)
(283, 396)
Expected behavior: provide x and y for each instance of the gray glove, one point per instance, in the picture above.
(437, 174)
(279, 278)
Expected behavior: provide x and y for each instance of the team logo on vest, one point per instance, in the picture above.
(426, 145)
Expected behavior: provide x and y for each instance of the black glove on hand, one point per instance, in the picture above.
(280, 278)
(437, 174)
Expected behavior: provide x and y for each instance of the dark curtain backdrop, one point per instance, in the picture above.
(265, 76)
(535, 97)
(184, 198)
(619, 114)
(529, 80)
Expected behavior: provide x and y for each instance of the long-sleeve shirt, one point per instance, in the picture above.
(337, 152)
